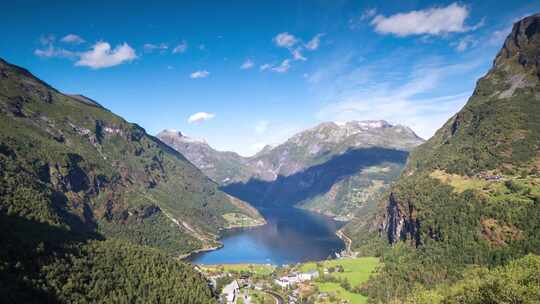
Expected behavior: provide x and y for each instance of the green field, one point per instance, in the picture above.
(353, 298)
(356, 271)
(258, 269)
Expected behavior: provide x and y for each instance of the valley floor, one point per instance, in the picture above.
(329, 281)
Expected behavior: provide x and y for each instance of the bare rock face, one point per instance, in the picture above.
(523, 42)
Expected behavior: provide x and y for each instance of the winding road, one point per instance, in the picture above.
(279, 299)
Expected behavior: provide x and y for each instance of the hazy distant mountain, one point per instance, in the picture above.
(331, 168)
(222, 167)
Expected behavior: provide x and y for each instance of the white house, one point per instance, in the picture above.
(308, 276)
(231, 292)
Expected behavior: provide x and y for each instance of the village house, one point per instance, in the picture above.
(230, 292)
(294, 278)
(308, 276)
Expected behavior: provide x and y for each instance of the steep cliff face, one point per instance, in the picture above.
(479, 156)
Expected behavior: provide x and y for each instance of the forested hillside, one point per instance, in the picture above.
(74, 169)
(470, 195)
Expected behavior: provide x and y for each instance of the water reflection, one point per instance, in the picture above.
(291, 236)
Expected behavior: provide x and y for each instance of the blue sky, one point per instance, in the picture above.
(242, 74)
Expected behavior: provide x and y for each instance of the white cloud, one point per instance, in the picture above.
(102, 56)
(261, 127)
(149, 47)
(52, 51)
(285, 40)
(72, 38)
(265, 67)
(405, 98)
(199, 74)
(465, 43)
(315, 42)
(181, 48)
(297, 55)
(248, 64)
(431, 21)
(200, 117)
(283, 67)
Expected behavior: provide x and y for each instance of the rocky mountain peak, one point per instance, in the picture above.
(523, 42)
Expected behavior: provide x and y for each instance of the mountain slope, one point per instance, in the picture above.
(470, 195)
(73, 169)
(100, 171)
(312, 169)
(222, 167)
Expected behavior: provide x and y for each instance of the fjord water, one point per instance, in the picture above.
(290, 236)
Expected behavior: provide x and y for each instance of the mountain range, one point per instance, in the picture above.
(331, 168)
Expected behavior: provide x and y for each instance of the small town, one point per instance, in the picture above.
(330, 281)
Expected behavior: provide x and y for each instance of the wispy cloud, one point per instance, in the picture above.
(73, 39)
(465, 43)
(180, 48)
(248, 64)
(199, 74)
(265, 67)
(315, 42)
(405, 97)
(200, 117)
(52, 51)
(283, 67)
(431, 21)
(285, 40)
(296, 48)
(150, 47)
(102, 55)
(297, 55)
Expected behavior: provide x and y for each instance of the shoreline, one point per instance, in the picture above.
(348, 242)
(223, 231)
(185, 257)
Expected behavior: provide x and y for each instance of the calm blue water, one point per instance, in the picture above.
(291, 236)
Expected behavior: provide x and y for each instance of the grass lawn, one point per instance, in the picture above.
(258, 297)
(460, 183)
(341, 293)
(356, 271)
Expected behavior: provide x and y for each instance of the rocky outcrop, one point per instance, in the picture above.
(400, 222)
